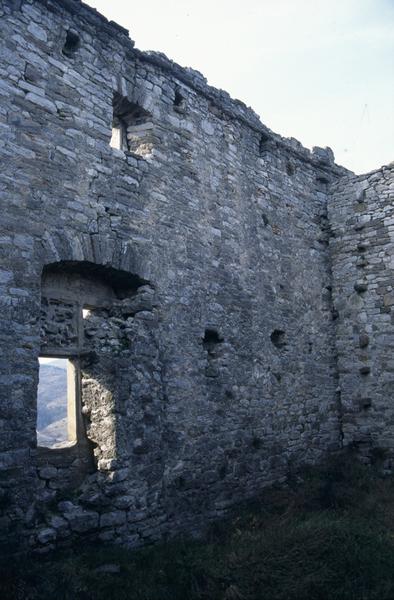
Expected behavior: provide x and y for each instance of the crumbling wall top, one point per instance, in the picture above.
(221, 100)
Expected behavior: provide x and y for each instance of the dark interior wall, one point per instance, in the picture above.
(225, 220)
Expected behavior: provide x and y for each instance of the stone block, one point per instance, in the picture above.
(388, 299)
(113, 519)
(46, 535)
(47, 472)
(82, 521)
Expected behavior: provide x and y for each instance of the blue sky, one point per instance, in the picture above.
(321, 71)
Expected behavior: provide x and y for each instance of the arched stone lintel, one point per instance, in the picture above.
(92, 248)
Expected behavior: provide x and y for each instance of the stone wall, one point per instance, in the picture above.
(223, 380)
(361, 212)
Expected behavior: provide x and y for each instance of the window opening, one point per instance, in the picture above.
(71, 295)
(86, 312)
(132, 127)
(264, 143)
(56, 402)
(179, 102)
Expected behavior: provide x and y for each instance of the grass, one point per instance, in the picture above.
(328, 536)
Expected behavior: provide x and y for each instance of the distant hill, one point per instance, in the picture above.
(60, 363)
(52, 403)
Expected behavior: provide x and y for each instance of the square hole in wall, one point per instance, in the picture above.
(56, 402)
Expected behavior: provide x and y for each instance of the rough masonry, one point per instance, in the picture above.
(223, 294)
(361, 211)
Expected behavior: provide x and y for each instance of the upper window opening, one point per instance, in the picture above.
(179, 101)
(132, 127)
(56, 425)
(263, 144)
(72, 44)
(86, 312)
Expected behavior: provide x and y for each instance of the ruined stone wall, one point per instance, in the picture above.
(361, 212)
(227, 379)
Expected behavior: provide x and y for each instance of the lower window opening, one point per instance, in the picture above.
(56, 403)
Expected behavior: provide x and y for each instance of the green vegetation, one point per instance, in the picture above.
(328, 536)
